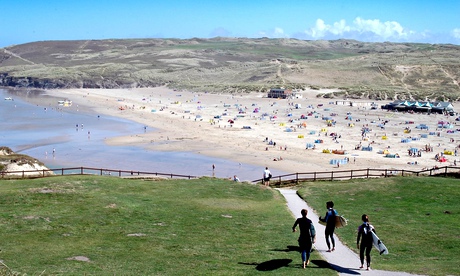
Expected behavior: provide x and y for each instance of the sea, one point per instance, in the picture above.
(33, 123)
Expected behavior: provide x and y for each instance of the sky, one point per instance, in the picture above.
(424, 21)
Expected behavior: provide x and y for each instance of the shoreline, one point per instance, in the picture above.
(198, 122)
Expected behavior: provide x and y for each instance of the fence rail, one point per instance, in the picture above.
(280, 180)
(294, 178)
(87, 171)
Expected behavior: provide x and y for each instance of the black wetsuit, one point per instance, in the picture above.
(330, 227)
(307, 233)
(364, 233)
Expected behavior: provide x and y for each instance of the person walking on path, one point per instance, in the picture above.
(329, 219)
(364, 233)
(267, 176)
(307, 236)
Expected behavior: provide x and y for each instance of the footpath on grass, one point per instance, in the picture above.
(343, 259)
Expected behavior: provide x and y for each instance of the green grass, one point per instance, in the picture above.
(138, 227)
(418, 219)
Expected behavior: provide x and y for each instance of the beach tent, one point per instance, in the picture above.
(309, 146)
(288, 129)
(338, 161)
(324, 130)
(300, 136)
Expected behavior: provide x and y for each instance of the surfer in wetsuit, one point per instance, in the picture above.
(364, 233)
(307, 236)
(329, 219)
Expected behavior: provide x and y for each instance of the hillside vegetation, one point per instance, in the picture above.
(372, 70)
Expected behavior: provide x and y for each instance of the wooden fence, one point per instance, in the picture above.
(280, 180)
(88, 171)
(294, 178)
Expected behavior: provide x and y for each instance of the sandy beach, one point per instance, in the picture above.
(266, 132)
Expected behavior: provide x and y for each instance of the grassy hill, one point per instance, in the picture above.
(95, 225)
(372, 70)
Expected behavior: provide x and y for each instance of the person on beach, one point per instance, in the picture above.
(267, 176)
(365, 235)
(307, 236)
(329, 219)
(236, 179)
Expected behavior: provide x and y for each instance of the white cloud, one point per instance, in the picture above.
(456, 33)
(362, 29)
(277, 32)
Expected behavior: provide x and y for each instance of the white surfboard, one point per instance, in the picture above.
(379, 244)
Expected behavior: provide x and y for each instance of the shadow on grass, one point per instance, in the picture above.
(270, 265)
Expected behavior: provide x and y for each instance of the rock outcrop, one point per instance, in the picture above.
(14, 165)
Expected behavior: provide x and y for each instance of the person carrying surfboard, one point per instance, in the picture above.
(307, 236)
(365, 235)
(329, 219)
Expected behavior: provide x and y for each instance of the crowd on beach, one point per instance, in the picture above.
(252, 128)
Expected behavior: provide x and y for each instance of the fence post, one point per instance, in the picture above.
(297, 178)
(332, 175)
(445, 171)
(81, 170)
(351, 174)
(314, 176)
(367, 172)
(386, 172)
(23, 174)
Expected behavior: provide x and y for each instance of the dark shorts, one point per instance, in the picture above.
(266, 179)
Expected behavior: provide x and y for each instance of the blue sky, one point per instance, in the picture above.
(427, 21)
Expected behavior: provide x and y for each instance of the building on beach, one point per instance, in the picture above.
(416, 106)
(279, 93)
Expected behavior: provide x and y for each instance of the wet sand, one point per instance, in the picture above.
(36, 125)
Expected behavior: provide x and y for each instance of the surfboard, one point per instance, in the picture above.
(339, 222)
(379, 244)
